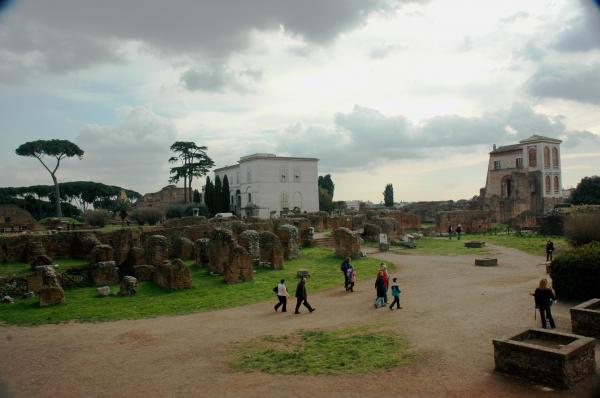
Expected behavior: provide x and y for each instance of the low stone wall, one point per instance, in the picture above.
(470, 220)
(585, 318)
(173, 275)
(547, 357)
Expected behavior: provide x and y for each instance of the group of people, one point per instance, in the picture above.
(451, 231)
(382, 286)
(301, 296)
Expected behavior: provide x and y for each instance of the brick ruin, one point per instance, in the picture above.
(471, 221)
(347, 243)
(288, 235)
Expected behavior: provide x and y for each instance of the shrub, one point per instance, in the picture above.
(145, 215)
(576, 273)
(582, 227)
(96, 218)
(178, 211)
(552, 224)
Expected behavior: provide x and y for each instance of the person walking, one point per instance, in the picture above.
(344, 268)
(544, 297)
(380, 289)
(351, 279)
(282, 295)
(549, 250)
(450, 231)
(458, 231)
(301, 297)
(395, 294)
(386, 280)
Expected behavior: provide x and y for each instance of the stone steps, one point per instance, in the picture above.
(324, 242)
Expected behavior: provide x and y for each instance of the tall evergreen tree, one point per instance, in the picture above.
(217, 195)
(208, 195)
(225, 194)
(388, 196)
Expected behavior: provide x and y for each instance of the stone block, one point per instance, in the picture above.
(486, 262)
(547, 357)
(239, 268)
(129, 286)
(143, 273)
(250, 240)
(347, 243)
(34, 249)
(475, 244)
(184, 248)
(271, 251)
(104, 273)
(585, 318)
(42, 259)
(289, 237)
(101, 253)
(173, 275)
(157, 250)
(103, 291)
(51, 295)
(221, 246)
(201, 251)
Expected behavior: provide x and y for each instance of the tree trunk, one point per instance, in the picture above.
(57, 194)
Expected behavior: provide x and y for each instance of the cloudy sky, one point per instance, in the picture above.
(412, 93)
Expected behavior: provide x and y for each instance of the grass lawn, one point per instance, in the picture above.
(532, 244)
(208, 292)
(430, 246)
(342, 351)
(17, 268)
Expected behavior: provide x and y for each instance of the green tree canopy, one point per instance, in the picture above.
(587, 191)
(58, 149)
(193, 163)
(225, 194)
(388, 196)
(326, 189)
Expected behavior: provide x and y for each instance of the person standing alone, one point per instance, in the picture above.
(549, 250)
(450, 231)
(282, 295)
(301, 297)
(395, 295)
(458, 231)
(344, 268)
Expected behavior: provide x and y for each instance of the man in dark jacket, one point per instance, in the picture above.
(549, 250)
(344, 268)
(301, 296)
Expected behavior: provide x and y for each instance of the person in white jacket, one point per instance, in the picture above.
(282, 295)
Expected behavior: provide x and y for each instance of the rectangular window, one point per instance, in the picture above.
(284, 200)
(296, 175)
(519, 163)
(249, 197)
(7, 220)
(496, 165)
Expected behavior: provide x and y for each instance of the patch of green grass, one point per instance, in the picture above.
(529, 243)
(431, 246)
(17, 268)
(341, 351)
(208, 292)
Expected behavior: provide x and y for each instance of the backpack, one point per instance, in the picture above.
(276, 289)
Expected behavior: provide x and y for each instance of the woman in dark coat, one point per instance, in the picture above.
(301, 297)
(380, 288)
(544, 297)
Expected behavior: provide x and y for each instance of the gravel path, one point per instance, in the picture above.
(452, 310)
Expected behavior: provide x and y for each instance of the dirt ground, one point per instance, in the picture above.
(452, 310)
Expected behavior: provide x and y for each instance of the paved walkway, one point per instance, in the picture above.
(452, 310)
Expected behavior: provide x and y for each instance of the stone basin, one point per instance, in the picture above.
(486, 262)
(474, 244)
(544, 356)
(585, 318)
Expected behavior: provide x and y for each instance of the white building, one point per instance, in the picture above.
(263, 185)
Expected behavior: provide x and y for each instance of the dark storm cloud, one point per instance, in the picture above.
(219, 78)
(583, 32)
(367, 137)
(574, 81)
(63, 35)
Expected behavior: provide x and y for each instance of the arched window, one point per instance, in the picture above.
(507, 187)
(556, 188)
(546, 156)
(547, 184)
(554, 157)
(532, 157)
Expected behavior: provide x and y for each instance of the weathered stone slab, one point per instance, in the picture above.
(103, 291)
(201, 250)
(129, 286)
(157, 250)
(546, 357)
(34, 249)
(347, 243)
(474, 244)
(585, 318)
(144, 272)
(173, 275)
(250, 240)
(42, 259)
(51, 295)
(289, 237)
(184, 248)
(104, 273)
(101, 253)
(271, 251)
(239, 268)
(486, 262)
